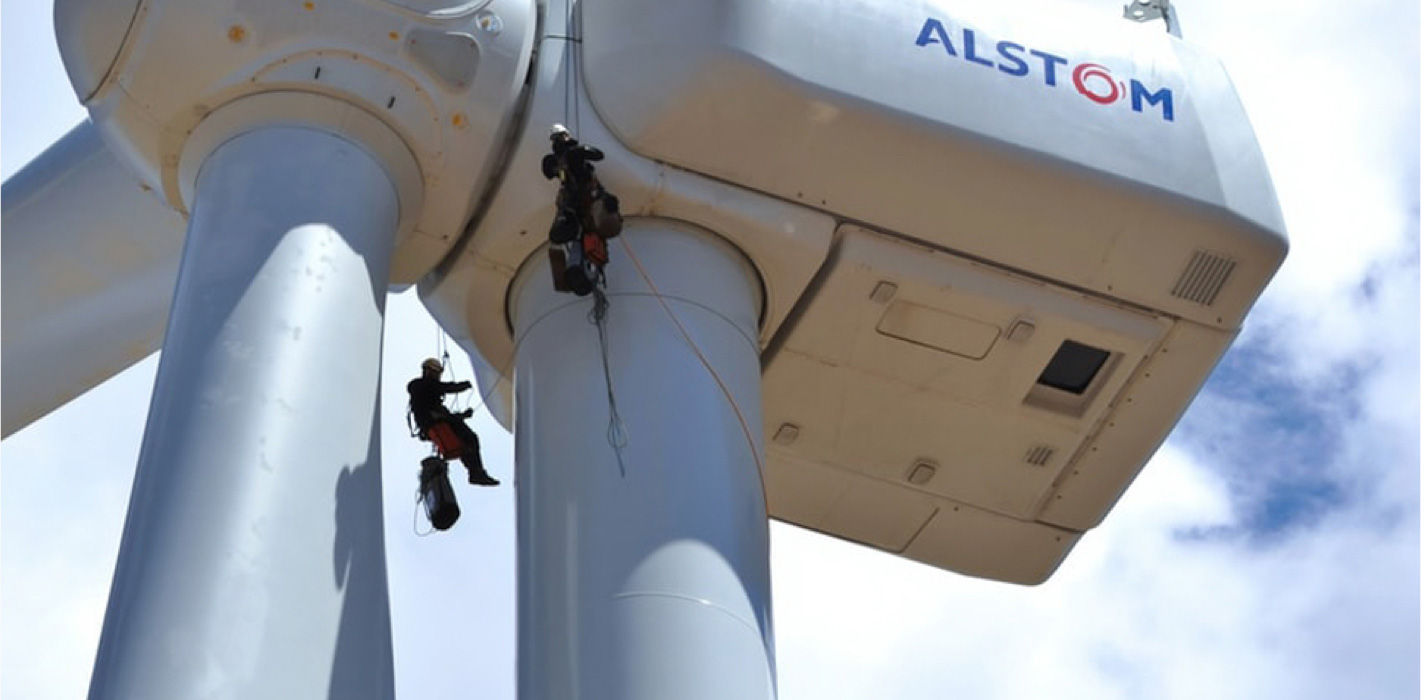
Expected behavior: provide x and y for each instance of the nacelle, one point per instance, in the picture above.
(1000, 253)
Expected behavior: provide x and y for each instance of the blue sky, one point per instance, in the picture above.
(1270, 549)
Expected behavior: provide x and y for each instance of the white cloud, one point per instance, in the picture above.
(1136, 612)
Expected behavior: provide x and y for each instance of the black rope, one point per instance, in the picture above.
(441, 347)
(572, 74)
(567, 96)
(616, 429)
(576, 30)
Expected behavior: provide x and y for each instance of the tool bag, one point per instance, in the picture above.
(437, 493)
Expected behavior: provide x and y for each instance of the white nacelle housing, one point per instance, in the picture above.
(1050, 234)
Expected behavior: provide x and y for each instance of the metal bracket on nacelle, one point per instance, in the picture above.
(1149, 10)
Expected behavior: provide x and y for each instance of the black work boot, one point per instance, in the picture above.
(482, 478)
(477, 475)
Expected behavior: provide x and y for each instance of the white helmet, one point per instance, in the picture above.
(432, 365)
(559, 131)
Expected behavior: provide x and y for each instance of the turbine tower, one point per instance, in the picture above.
(937, 280)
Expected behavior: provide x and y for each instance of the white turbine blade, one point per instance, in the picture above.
(86, 277)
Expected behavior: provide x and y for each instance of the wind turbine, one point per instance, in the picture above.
(964, 268)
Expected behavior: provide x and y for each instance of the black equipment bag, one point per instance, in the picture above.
(438, 495)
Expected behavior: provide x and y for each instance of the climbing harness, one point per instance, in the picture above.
(446, 443)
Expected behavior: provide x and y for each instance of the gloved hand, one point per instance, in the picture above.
(464, 386)
(466, 413)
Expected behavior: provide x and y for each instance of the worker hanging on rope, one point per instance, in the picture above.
(447, 430)
(587, 215)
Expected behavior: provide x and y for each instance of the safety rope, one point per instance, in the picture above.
(441, 346)
(441, 349)
(572, 74)
(616, 428)
(414, 523)
(685, 335)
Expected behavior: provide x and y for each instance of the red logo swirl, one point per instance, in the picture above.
(1094, 72)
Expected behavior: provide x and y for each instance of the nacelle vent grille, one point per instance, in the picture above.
(1040, 455)
(1203, 278)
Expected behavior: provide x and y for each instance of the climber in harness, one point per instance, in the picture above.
(435, 423)
(587, 215)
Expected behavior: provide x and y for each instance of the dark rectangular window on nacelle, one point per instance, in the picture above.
(1073, 367)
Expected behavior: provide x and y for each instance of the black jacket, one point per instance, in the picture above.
(427, 399)
(572, 161)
